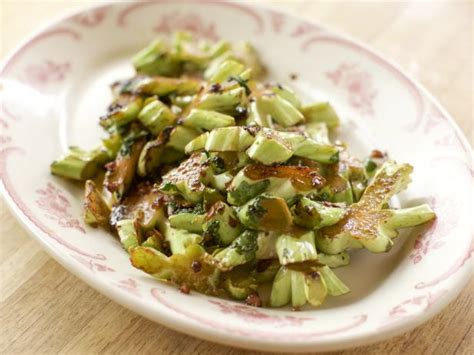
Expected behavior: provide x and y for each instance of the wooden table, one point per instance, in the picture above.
(45, 309)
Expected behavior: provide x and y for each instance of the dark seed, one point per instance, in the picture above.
(376, 154)
(184, 289)
(253, 300)
(196, 266)
(215, 88)
(262, 265)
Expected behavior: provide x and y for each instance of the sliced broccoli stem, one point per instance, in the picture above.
(315, 215)
(240, 251)
(321, 112)
(266, 213)
(79, 164)
(189, 221)
(337, 260)
(281, 110)
(410, 217)
(225, 102)
(221, 224)
(179, 239)
(281, 288)
(228, 139)
(335, 287)
(129, 233)
(155, 116)
(225, 70)
(296, 249)
(257, 115)
(269, 149)
(287, 94)
(207, 120)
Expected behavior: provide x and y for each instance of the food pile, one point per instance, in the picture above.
(221, 183)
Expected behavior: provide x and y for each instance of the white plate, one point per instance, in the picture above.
(55, 86)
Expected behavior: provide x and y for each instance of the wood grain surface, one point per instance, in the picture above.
(46, 310)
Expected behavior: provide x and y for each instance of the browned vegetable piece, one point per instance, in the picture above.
(123, 110)
(186, 179)
(178, 268)
(144, 203)
(96, 211)
(266, 213)
(121, 171)
(303, 178)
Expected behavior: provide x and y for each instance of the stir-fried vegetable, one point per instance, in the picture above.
(217, 182)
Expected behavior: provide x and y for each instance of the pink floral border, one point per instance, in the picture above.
(411, 87)
(160, 296)
(248, 11)
(55, 204)
(358, 84)
(21, 205)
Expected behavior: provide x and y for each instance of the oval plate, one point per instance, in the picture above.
(55, 86)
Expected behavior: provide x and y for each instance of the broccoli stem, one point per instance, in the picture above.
(410, 217)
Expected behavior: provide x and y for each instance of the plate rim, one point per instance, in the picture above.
(184, 325)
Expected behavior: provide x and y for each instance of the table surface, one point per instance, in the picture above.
(45, 309)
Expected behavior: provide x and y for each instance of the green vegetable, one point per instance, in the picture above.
(241, 191)
(257, 115)
(315, 215)
(179, 239)
(321, 112)
(80, 164)
(218, 182)
(335, 287)
(228, 139)
(162, 86)
(189, 221)
(298, 287)
(269, 149)
(296, 249)
(336, 260)
(266, 213)
(129, 233)
(287, 94)
(308, 148)
(240, 251)
(155, 59)
(222, 224)
(281, 288)
(122, 111)
(225, 102)
(318, 131)
(240, 289)
(266, 245)
(197, 143)
(186, 179)
(367, 224)
(225, 70)
(281, 110)
(203, 119)
(155, 116)
(140, 204)
(280, 181)
(180, 136)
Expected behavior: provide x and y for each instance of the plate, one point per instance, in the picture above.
(55, 86)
